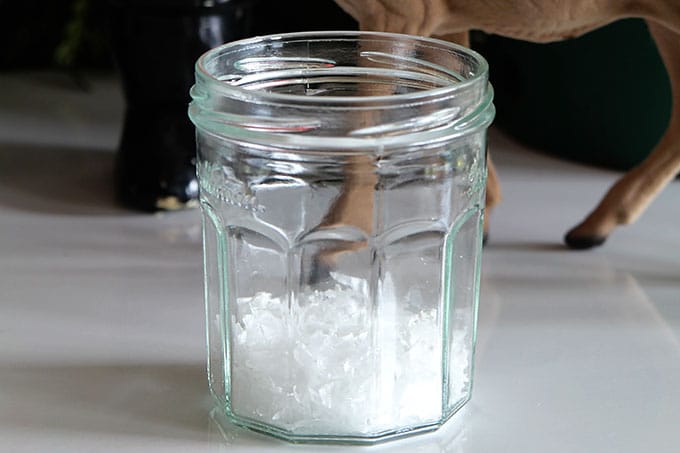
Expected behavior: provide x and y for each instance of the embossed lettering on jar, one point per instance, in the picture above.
(342, 180)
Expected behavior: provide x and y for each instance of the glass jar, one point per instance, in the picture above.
(342, 181)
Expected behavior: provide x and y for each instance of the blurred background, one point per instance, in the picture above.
(602, 99)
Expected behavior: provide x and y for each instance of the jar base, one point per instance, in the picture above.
(222, 418)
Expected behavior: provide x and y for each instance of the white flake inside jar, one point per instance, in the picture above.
(321, 365)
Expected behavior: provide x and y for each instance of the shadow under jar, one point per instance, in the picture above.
(342, 179)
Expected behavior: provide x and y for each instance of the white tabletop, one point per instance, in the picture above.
(101, 311)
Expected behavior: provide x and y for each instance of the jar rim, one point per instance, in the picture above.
(481, 75)
(444, 119)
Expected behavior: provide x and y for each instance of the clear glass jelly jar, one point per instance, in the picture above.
(342, 180)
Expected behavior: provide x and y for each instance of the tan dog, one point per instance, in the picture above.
(542, 21)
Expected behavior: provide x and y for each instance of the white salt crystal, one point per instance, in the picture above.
(327, 364)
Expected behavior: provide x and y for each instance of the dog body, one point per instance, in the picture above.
(546, 21)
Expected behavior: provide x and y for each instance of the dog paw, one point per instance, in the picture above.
(579, 242)
(319, 273)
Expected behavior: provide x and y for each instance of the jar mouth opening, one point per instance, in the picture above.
(265, 78)
(341, 91)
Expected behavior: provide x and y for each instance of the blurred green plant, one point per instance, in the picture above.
(69, 35)
(66, 53)
(83, 40)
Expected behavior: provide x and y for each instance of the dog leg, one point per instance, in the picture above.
(631, 195)
(354, 206)
(462, 38)
(493, 187)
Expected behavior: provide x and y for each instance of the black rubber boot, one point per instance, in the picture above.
(155, 45)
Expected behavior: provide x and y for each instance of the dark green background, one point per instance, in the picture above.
(603, 98)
